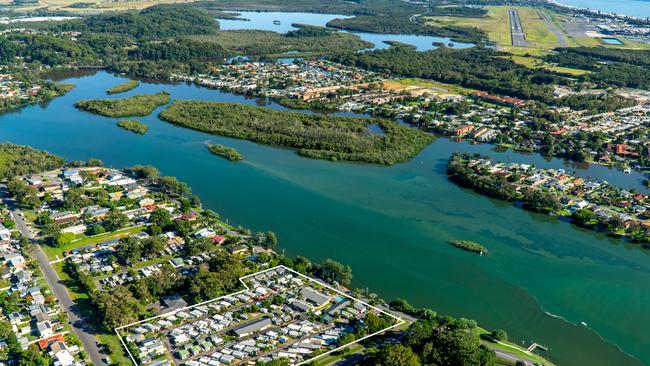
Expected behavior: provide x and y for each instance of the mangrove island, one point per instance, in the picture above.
(134, 126)
(124, 87)
(225, 152)
(138, 105)
(315, 136)
(469, 246)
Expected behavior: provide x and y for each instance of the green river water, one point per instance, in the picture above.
(391, 225)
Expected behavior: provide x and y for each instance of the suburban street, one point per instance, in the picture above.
(88, 340)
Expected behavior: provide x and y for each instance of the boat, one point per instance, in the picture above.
(627, 170)
(583, 323)
(276, 22)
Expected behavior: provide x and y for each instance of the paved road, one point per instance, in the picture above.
(88, 340)
(516, 31)
(507, 355)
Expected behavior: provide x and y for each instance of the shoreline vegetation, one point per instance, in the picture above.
(225, 152)
(138, 105)
(315, 136)
(22, 160)
(49, 91)
(134, 126)
(587, 203)
(124, 87)
(469, 246)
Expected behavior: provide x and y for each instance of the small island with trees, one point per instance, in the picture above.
(138, 105)
(225, 152)
(134, 126)
(124, 87)
(469, 246)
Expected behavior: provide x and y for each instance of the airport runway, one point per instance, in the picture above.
(516, 31)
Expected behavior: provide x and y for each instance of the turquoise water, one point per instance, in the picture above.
(264, 21)
(612, 41)
(637, 8)
(391, 225)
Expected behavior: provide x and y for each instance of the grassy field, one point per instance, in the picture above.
(429, 86)
(53, 252)
(535, 63)
(538, 34)
(332, 357)
(496, 23)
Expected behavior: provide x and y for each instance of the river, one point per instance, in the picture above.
(265, 21)
(390, 224)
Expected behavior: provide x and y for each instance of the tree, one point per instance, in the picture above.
(152, 246)
(583, 216)
(346, 338)
(333, 271)
(5, 329)
(396, 355)
(145, 171)
(375, 323)
(161, 218)
(205, 285)
(94, 162)
(75, 199)
(51, 230)
(116, 308)
(63, 239)
(32, 357)
(129, 250)
(96, 230)
(499, 335)
(455, 347)
(115, 220)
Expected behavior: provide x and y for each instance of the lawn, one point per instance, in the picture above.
(512, 348)
(76, 293)
(117, 353)
(332, 357)
(53, 253)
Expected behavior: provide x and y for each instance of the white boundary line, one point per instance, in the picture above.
(399, 320)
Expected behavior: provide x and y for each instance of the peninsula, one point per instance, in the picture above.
(586, 202)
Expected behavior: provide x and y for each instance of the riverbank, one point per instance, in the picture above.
(588, 203)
